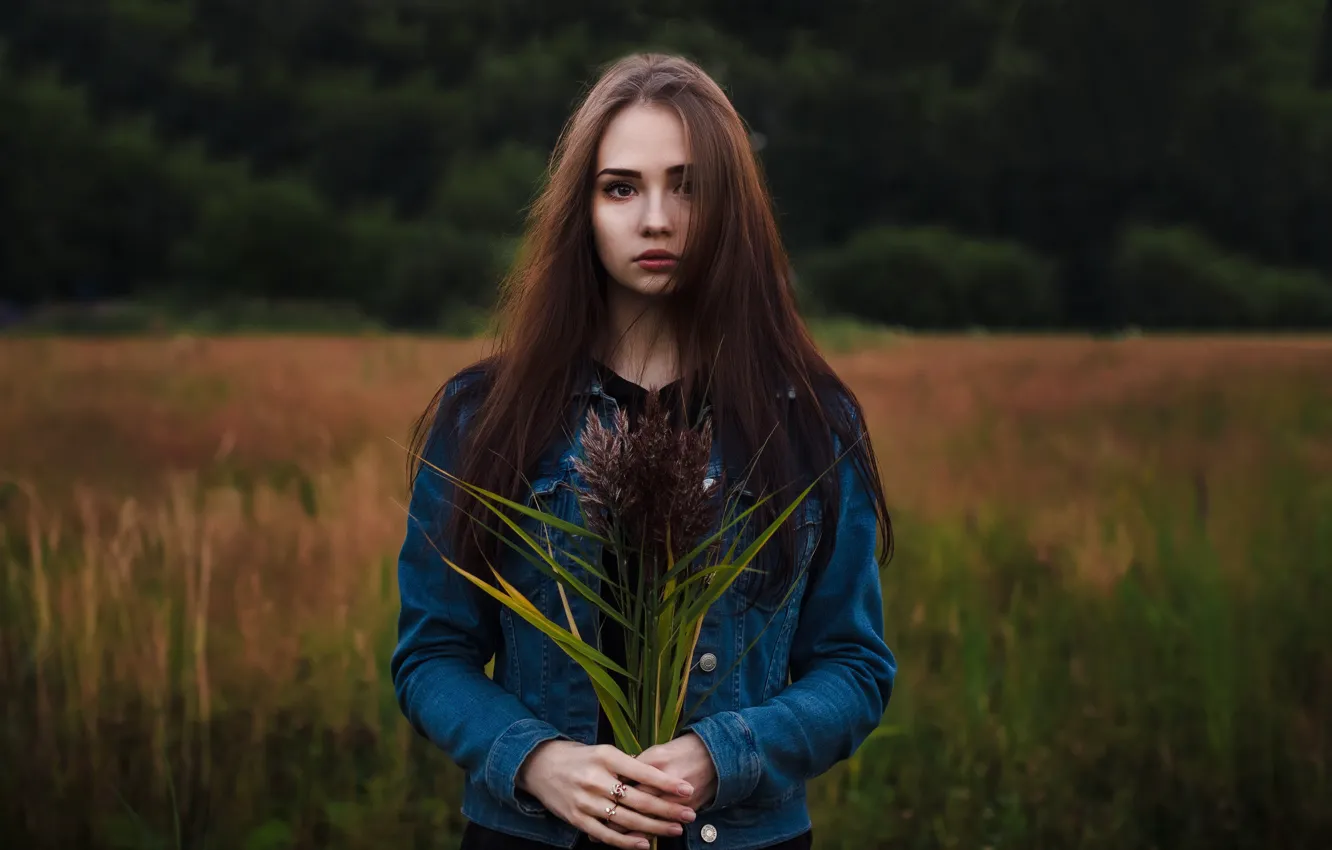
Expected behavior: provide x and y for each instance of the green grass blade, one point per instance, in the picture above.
(557, 572)
(590, 659)
(685, 561)
(548, 519)
(553, 565)
(624, 735)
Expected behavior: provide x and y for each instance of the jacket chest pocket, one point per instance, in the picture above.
(526, 648)
(765, 627)
(520, 557)
(808, 528)
(555, 492)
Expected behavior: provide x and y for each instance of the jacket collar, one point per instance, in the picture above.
(591, 385)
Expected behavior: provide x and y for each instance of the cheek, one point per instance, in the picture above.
(681, 208)
(605, 228)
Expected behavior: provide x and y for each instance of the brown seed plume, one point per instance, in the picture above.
(647, 481)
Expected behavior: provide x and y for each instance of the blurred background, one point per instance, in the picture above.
(1074, 257)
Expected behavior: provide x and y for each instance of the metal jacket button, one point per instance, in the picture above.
(709, 833)
(708, 662)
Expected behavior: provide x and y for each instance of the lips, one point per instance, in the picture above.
(656, 260)
(656, 265)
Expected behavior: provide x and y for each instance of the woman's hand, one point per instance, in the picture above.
(574, 781)
(688, 758)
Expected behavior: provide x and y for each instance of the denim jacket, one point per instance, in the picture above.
(805, 696)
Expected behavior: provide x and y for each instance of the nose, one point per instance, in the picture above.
(656, 216)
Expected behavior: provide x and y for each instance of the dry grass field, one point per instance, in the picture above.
(1109, 598)
(1049, 414)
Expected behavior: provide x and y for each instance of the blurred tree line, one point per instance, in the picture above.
(936, 163)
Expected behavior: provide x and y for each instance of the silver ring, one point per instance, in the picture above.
(618, 791)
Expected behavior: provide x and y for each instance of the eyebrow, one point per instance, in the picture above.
(629, 172)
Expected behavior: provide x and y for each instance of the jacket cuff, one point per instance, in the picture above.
(507, 755)
(734, 753)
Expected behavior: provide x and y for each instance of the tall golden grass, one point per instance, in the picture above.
(1105, 604)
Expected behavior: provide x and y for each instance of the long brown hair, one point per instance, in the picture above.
(732, 309)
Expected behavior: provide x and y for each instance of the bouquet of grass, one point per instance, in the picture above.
(645, 497)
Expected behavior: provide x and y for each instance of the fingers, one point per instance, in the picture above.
(611, 824)
(621, 830)
(633, 821)
(631, 768)
(648, 803)
(630, 819)
(598, 830)
(639, 812)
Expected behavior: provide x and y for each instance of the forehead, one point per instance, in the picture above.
(645, 138)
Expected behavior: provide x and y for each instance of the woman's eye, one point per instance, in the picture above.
(686, 188)
(614, 190)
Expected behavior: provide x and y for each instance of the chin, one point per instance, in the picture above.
(648, 285)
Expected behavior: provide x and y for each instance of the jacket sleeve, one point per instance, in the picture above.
(447, 632)
(842, 673)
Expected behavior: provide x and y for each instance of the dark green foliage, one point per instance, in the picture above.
(1175, 278)
(932, 278)
(142, 140)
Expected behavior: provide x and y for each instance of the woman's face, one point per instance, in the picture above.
(640, 197)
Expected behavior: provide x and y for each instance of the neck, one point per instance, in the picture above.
(638, 342)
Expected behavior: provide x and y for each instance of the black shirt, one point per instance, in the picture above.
(631, 398)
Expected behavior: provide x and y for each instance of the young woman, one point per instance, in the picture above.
(652, 262)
